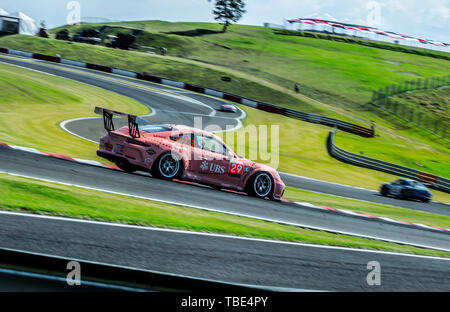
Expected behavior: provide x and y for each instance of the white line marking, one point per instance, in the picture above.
(26, 149)
(214, 210)
(323, 181)
(63, 124)
(148, 228)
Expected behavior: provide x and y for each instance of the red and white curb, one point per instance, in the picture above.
(61, 156)
(304, 204)
(369, 216)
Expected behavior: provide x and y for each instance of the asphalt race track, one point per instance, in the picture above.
(181, 107)
(223, 258)
(244, 261)
(53, 169)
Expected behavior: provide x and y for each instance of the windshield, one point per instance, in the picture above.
(156, 128)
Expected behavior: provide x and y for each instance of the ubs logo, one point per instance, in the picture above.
(212, 167)
(204, 165)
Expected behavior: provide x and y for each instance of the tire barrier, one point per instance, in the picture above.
(431, 180)
(313, 118)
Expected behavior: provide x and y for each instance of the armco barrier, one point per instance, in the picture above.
(319, 119)
(433, 181)
(111, 275)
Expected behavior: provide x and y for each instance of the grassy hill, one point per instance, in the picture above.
(436, 101)
(343, 74)
(336, 79)
(48, 100)
(339, 74)
(33, 104)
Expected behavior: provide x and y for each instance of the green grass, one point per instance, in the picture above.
(351, 72)
(160, 66)
(392, 148)
(20, 194)
(48, 100)
(436, 102)
(33, 104)
(399, 144)
(379, 210)
(302, 151)
(336, 79)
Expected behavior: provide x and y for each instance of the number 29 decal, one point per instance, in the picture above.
(236, 168)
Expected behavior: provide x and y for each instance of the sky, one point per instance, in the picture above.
(424, 19)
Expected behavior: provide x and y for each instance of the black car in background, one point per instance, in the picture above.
(406, 189)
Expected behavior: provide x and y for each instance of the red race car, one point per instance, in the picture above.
(185, 153)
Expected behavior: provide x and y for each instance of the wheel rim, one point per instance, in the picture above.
(262, 185)
(168, 167)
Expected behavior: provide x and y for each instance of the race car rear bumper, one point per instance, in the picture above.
(115, 159)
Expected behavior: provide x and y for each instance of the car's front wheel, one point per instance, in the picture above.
(168, 167)
(260, 185)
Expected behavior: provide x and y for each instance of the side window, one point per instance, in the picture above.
(210, 144)
(185, 138)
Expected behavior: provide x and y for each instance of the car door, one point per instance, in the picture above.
(215, 165)
(185, 145)
(396, 187)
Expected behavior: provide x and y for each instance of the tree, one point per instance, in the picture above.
(227, 11)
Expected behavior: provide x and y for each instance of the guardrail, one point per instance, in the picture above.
(104, 276)
(433, 181)
(314, 118)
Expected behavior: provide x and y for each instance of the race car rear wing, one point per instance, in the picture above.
(133, 121)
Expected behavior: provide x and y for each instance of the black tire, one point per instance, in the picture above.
(167, 167)
(125, 166)
(384, 191)
(260, 185)
(426, 200)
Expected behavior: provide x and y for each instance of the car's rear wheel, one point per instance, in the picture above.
(168, 167)
(260, 185)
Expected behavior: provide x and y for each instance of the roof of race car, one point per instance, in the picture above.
(151, 129)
